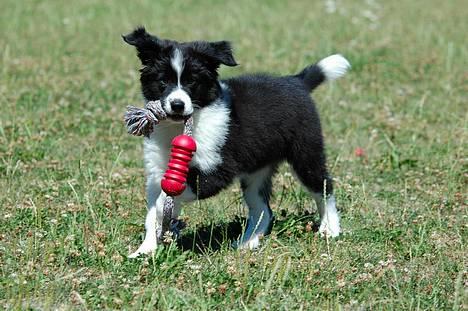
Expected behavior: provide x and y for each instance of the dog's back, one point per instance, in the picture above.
(267, 113)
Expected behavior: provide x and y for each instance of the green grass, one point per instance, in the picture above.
(72, 183)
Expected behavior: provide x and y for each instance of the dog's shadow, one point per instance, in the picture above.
(211, 238)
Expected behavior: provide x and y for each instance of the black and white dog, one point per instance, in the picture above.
(244, 128)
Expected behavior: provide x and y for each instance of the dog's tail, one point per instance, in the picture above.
(329, 68)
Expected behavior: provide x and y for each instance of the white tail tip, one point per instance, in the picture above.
(334, 66)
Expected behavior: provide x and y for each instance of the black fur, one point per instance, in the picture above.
(272, 119)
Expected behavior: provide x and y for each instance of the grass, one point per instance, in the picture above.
(72, 184)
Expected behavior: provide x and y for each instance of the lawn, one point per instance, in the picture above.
(72, 199)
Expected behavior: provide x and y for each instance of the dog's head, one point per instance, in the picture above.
(182, 75)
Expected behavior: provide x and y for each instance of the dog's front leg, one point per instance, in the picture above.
(152, 222)
(155, 198)
(154, 219)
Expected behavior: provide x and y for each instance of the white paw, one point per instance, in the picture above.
(147, 247)
(252, 243)
(330, 228)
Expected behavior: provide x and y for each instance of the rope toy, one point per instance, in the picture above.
(141, 121)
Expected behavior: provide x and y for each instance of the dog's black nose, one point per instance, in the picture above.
(177, 105)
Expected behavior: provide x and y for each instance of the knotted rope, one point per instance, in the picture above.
(142, 121)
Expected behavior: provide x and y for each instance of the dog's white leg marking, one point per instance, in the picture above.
(152, 223)
(329, 217)
(154, 219)
(256, 190)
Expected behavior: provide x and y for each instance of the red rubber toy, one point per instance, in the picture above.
(173, 182)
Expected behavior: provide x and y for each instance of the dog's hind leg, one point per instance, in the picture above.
(308, 162)
(329, 217)
(256, 189)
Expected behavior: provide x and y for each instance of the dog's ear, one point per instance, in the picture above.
(222, 51)
(217, 53)
(148, 46)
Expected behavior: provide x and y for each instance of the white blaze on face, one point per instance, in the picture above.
(177, 63)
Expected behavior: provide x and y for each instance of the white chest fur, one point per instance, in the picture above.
(211, 127)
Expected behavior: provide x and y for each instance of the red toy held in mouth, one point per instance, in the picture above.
(183, 147)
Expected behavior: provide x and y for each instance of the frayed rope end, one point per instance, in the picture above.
(141, 121)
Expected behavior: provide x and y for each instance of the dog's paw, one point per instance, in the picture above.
(252, 243)
(330, 229)
(144, 249)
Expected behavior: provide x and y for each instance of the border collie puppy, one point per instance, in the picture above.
(244, 128)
